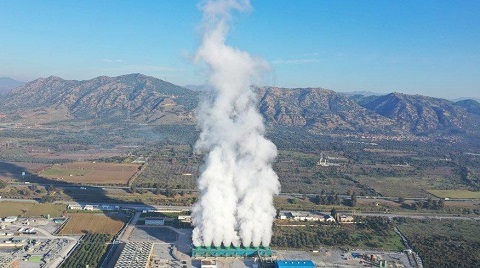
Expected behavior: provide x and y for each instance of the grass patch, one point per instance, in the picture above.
(30, 209)
(400, 186)
(455, 194)
(35, 259)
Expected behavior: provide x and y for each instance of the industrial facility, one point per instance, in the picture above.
(231, 251)
(295, 264)
(135, 255)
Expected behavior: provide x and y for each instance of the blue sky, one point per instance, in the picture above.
(416, 47)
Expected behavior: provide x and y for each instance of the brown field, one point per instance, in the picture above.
(80, 223)
(91, 172)
(75, 156)
(30, 209)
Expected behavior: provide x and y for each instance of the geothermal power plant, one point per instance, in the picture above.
(235, 212)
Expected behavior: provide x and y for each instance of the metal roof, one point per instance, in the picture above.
(294, 263)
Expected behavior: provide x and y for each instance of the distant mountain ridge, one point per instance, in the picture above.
(470, 105)
(150, 100)
(7, 84)
(319, 110)
(420, 114)
(135, 96)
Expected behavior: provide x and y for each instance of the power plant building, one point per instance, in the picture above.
(231, 252)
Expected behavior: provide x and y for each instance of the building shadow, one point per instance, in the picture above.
(21, 178)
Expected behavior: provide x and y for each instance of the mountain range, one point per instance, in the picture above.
(150, 100)
(7, 84)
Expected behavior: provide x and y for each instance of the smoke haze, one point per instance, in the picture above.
(237, 183)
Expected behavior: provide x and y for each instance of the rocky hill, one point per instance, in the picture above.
(470, 106)
(148, 100)
(319, 110)
(7, 84)
(134, 96)
(422, 115)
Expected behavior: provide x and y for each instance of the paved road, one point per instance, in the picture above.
(141, 207)
(414, 215)
(438, 216)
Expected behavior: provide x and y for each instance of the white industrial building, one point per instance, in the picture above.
(300, 216)
(208, 264)
(185, 218)
(10, 219)
(154, 221)
(75, 207)
(309, 216)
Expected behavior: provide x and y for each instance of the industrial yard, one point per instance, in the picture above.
(154, 239)
(29, 242)
(157, 245)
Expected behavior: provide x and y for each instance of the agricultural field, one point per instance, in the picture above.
(89, 252)
(91, 173)
(171, 167)
(31, 209)
(403, 186)
(10, 171)
(372, 233)
(81, 223)
(299, 173)
(456, 194)
(443, 243)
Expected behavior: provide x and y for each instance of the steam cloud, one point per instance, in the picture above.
(237, 183)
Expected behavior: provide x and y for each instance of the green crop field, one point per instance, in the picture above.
(35, 259)
(403, 186)
(30, 209)
(53, 172)
(455, 194)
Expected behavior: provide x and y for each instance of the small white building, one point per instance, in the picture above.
(10, 219)
(185, 218)
(154, 221)
(345, 218)
(75, 207)
(300, 216)
(285, 215)
(90, 207)
(329, 219)
(208, 264)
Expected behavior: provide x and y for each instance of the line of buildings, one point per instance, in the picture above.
(312, 216)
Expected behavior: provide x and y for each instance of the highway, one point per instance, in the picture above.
(141, 207)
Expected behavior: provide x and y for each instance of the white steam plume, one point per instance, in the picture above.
(237, 183)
